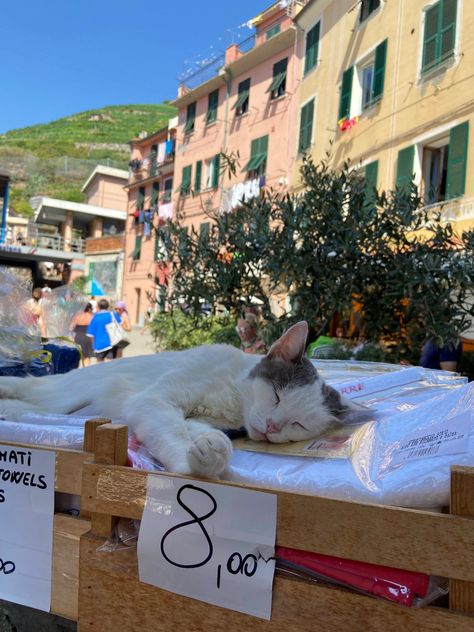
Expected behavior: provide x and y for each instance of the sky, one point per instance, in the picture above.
(60, 57)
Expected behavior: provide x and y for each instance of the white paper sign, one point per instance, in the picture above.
(26, 525)
(449, 437)
(210, 542)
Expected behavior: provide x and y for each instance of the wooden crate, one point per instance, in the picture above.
(112, 598)
(67, 529)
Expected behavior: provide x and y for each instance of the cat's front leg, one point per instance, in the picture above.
(211, 450)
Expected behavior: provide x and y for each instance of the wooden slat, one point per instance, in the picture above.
(65, 573)
(111, 598)
(461, 593)
(437, 544)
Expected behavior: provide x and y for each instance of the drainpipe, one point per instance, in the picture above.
(4, 214)
(226, 128)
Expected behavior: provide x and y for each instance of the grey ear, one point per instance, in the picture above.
(334, 402)
(343, 408)
(291, 345)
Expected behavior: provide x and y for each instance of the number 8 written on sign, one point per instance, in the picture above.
(237, 564)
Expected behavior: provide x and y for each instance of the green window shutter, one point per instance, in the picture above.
(457, 160)
(430, 38)
(405, 167)
(190, 118)
(370, 176)
(186, 181)
(141, 198)
(312, 46)
(379, 70)
(168, 190)
(155, 193)
(211, 115)
(216, 171)
(279, 75)
(258, 153)
(138, 248)
(306, 127)
(198, 176)
(204, 230)
(346, 93)
(448, 28)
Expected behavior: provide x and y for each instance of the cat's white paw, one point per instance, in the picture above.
(210, 454)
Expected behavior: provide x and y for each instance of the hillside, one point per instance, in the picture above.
(56, 158)
(84, 133)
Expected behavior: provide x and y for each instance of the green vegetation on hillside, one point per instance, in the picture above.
(113, 125)
(56, 158)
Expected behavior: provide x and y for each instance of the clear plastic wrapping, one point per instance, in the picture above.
(59, 308)
(71, 437)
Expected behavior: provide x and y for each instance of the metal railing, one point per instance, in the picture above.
(32, 236)
(454, 210)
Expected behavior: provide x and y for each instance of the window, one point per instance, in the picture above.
(190, 118)
(153, 159)
(306, 127)
(312, 46)
(198, 176)
(185, 188)
(212, 167)
(137, 250)
(363, 84)
(141, 199)
(435, 171)
(168, 189)
(213, 101)
(241, 106)
(367, 7)
(257, 165)
(274, 30)
(278, 85)
(155, 193)
(439, 36)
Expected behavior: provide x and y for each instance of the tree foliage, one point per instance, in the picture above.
(336, 245)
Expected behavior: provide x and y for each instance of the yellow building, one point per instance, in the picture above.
(391, 83)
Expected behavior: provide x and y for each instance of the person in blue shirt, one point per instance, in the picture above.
(97, 330)
(445, 358)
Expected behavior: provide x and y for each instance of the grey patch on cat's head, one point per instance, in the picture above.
(284, 374)
(333, 401)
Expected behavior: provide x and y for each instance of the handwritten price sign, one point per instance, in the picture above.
(209, 542)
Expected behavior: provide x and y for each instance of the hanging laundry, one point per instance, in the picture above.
(141, 217)
(161, 152)
(169, 149)
(147, 230)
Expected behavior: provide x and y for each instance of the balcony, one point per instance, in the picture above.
(457, 210)
(155, 164)
(34, 238)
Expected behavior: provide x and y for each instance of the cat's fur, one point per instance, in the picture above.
(177, 402)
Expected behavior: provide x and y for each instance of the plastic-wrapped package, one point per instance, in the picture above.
(53, 419)
(420, 423)
(71, 437)
(59, 308)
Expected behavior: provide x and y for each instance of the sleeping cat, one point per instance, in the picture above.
(178, 402)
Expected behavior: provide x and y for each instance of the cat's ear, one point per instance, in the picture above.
(292, 344)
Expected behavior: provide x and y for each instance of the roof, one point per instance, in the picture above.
(52, 211)
(103, 170)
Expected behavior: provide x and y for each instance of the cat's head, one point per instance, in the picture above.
(287, 400)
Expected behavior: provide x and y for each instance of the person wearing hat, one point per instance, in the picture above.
(121, 311)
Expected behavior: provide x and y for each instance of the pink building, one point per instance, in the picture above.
(241, 104)
(150, 190)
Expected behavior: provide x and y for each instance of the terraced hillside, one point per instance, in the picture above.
(55, 158)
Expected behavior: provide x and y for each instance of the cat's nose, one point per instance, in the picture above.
(271, 426)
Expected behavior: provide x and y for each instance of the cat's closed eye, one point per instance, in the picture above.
(297, 424)
(277, 396)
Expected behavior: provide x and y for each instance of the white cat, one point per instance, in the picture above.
(178, 402)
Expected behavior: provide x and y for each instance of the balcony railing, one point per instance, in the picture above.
(151, 165)
(454, 210)
(34, 237)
